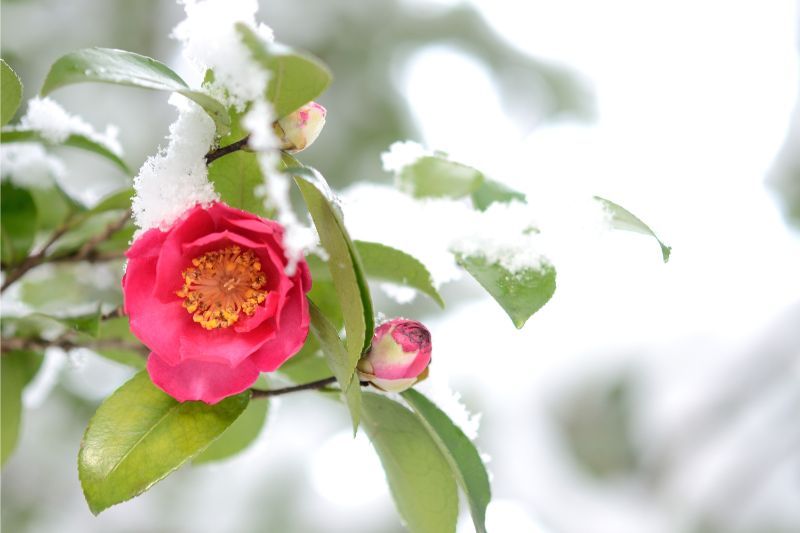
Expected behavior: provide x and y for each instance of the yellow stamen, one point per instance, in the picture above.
(221, 285)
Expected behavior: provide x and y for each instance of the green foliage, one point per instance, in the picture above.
(436, 177)
(491, 191)
(341, 361)
(35, 323)
(120, 67)
(139, 435)
(623, 219)
(345, 268)
(520, 294)
(75, 140)
(309, 364)
(296, 78)
(389, 264)
(17, 368)
(460, 454)
(17, 223)
(117, 343)
(10, 93)
(115, 201)
(239, 435)
(235, 178)
(420, 479)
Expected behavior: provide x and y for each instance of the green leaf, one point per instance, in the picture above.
(309, 364)
(17, 368)
(117, 330)
(107, 65)
(339, 359)
(389, 264)
(74, 140)
(491, 191)
(53, 206)
(521, 293)
(296, 78)
(420, 478)
(323, 294)
(238, 436)
(139, 435)
(115, 201)
(87, 324)
(435, 177)
(623, 219)
(236, 177)
(459, 452)
(345, 267)
(17, 223)
(10, 93)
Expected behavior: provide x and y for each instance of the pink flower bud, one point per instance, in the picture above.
(399, 356)
(299, 129)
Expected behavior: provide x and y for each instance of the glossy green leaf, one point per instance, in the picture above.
(238, 436)
(10, 93)
(53, 207)
(296, 78)
(459, 452)
(115, 201)
(18, 223)
(87, 324)
(116, 342)
(17, 369)
(491, 191)
(340, 361)
(66, 287)
(107, 65)
(390, 264)
(345, 267)
(139, 435)
(75, 141)
(323, 294)
(309, 364)
(435, 177)
(521, 293)
(623, 219)
(236, 177)
(420, 479)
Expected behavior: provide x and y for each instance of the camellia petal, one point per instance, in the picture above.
(211, 294)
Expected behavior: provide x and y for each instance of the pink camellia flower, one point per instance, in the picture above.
(399, 356)
(298, 130)
(211, 299)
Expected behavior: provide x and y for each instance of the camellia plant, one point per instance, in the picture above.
(225, 284)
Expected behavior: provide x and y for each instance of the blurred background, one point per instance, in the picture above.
(644, 398)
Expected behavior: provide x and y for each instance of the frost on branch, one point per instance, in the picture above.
(174, 180)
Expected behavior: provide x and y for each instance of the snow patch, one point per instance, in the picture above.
(55, 125)
(402, 154)
(176, 178)
(29, 165)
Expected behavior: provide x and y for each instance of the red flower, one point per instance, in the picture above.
(210, 297)
(399, 355)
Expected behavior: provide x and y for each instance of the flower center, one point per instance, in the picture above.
(221, 285)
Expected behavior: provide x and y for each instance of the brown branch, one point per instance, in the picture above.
(36, 259)
(225, 150)
(314, 385)
(12, 344)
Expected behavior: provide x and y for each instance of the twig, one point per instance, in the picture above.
(225, 150)
(319, 384)
(11, 344)
(36, 259)
(90, 246)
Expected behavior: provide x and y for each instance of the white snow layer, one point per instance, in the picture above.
(55, 125)
(402, 154)
(210, 40)
(29, 165)
(176, 178)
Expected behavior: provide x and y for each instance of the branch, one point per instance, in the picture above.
(36, 259)
(314, 385)
(225, 150)
(12, 344)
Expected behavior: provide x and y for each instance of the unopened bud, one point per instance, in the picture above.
(298, 130)
(399, 356)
